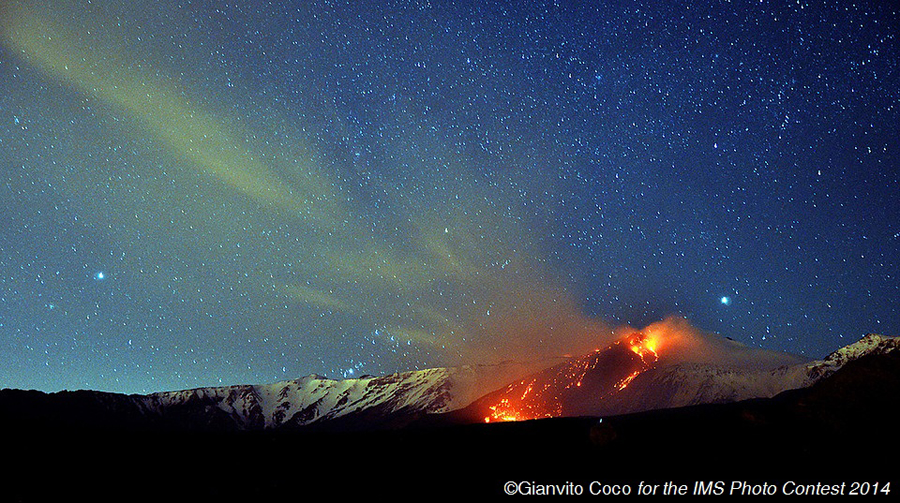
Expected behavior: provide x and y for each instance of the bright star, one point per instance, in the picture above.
(725, 300)
(100, 276)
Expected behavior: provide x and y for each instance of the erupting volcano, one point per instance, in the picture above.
(563, 389)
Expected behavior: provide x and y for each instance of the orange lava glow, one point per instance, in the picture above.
(542, 396)
(643, 346)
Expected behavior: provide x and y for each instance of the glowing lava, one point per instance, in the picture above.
(547, 393)
(645, 347)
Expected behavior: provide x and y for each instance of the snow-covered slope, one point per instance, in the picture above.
(311, 399)
(625, 377)
(391, 400)
(611, 381)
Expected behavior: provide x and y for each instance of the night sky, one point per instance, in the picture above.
(204, 193)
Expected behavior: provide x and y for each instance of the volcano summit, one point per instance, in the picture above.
(662, 391)
(667, 364)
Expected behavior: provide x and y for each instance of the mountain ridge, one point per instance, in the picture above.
(627, 383)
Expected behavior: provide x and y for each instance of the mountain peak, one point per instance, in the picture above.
(870, 344)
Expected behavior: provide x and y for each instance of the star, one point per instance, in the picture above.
(578, 183)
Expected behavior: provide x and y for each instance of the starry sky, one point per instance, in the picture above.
(199, 193)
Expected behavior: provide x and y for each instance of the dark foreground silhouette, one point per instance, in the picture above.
(65, 447)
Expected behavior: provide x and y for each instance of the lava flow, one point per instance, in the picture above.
(592, 377)
(645, 348)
